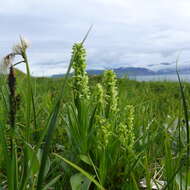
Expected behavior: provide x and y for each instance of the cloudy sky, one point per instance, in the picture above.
(137, 33)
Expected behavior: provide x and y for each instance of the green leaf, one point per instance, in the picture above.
(48, 162)
(51, 128)
(90, 177)
(32, 155)
(6, 157)
(85, 159)
(80, 182)
(180, 180)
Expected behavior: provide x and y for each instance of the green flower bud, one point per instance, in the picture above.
(125, 129)
(111, 93)
(103, 132)
(99, 97)
(80, 78)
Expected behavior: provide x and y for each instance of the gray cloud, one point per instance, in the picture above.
(125, 33)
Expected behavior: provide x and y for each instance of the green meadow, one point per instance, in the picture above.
(85, 132)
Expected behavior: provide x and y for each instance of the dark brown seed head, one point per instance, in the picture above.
(12, 97)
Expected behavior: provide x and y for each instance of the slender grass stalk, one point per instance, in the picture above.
(186, 122)
(170, 181)
(6, 154)
(53, 181)
(5, 102)
(30, 97)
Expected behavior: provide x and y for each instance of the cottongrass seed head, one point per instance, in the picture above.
(21, 47)
(6, 62)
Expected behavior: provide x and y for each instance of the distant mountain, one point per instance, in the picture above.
(140, 71)
(122, 71)
(94, 72)
(135, 71)
(57, 75)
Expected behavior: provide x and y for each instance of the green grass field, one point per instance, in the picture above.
(97, 132)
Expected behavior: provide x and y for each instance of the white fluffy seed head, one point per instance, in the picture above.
(6, 62)
(21, 46)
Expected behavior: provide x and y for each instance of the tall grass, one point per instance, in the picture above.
(99, 132)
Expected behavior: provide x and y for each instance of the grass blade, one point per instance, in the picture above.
(91, 178)
(53, 181)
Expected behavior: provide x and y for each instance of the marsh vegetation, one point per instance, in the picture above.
(91, 132)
